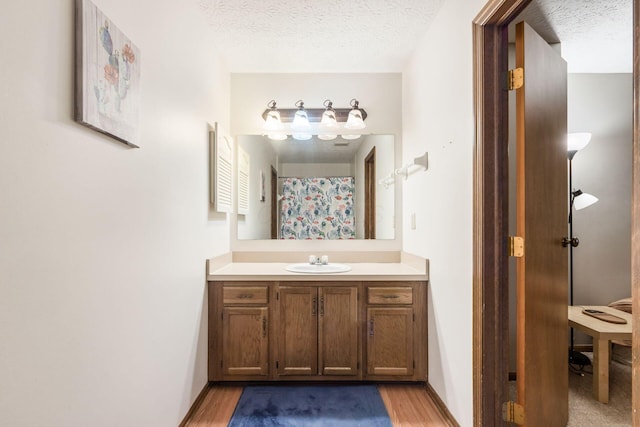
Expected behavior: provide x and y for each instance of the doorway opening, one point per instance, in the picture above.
(490, 285)
(274, 203)
(370, 195)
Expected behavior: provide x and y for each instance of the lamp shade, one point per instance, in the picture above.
(584, 200)
(578, 140)
(355, 120)
(329, 115)
(300, 119)
(277, 136)
(301, 136)
(272, 122)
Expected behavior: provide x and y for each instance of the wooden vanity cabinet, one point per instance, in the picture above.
(318, 331)
(260, 331)
(395, 330)
(239, 343)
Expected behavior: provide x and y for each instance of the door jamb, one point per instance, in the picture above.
(490, 206)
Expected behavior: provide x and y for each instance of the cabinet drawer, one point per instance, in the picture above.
(395, 295)
(244, 295)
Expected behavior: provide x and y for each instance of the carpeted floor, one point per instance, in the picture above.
(585, 410)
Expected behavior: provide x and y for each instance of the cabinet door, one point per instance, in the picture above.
(338, 331)
(298, 344)
(390, 341)
(245, 341)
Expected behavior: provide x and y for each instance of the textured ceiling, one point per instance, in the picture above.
(318, 36)
(595, 35)
(379, 35)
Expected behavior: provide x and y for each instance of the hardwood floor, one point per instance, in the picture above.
(408, 405)
(216, 408)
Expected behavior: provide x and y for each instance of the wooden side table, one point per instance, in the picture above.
(602, 333)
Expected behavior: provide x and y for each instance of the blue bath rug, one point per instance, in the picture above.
(310, 406)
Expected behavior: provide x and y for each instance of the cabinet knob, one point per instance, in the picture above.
(371, 327)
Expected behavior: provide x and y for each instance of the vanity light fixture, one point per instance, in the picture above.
(300, 125)
(355, 119)
(327, 121)
(272, 123)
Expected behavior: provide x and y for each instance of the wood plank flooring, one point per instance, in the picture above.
(408, 405)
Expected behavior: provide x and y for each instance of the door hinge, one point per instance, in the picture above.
(513, 412)
(515, 78)
(516, 246)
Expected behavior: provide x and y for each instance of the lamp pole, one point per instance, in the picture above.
(572, 242)
(575, 357)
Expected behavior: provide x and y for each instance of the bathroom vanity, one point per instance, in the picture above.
(269, 324)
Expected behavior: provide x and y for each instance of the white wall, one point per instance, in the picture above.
(438, 118)
(103, 247)
(602, 104)
(380, 95)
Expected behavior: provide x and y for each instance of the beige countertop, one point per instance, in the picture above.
(408, 268)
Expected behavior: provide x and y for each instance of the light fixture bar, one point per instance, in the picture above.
(315, 114)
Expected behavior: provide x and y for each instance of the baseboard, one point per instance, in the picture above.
(195, 405)
(451, 421)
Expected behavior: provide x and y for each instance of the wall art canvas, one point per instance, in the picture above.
(107, 76)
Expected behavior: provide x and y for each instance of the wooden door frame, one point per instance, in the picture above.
(274, 203)
(490, 207)
(370, 195)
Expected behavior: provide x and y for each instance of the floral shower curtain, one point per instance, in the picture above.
(317, 208)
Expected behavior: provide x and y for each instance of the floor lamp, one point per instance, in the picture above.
(578, 200)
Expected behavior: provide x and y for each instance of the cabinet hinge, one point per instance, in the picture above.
(278, 295)
(513, 412)
(358, 365)
(515, 78)
(276, 364)
(414, 317)
(516, 246)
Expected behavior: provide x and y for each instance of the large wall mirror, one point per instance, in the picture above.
(315, 189)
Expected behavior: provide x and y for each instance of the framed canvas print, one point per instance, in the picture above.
(107, 76)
